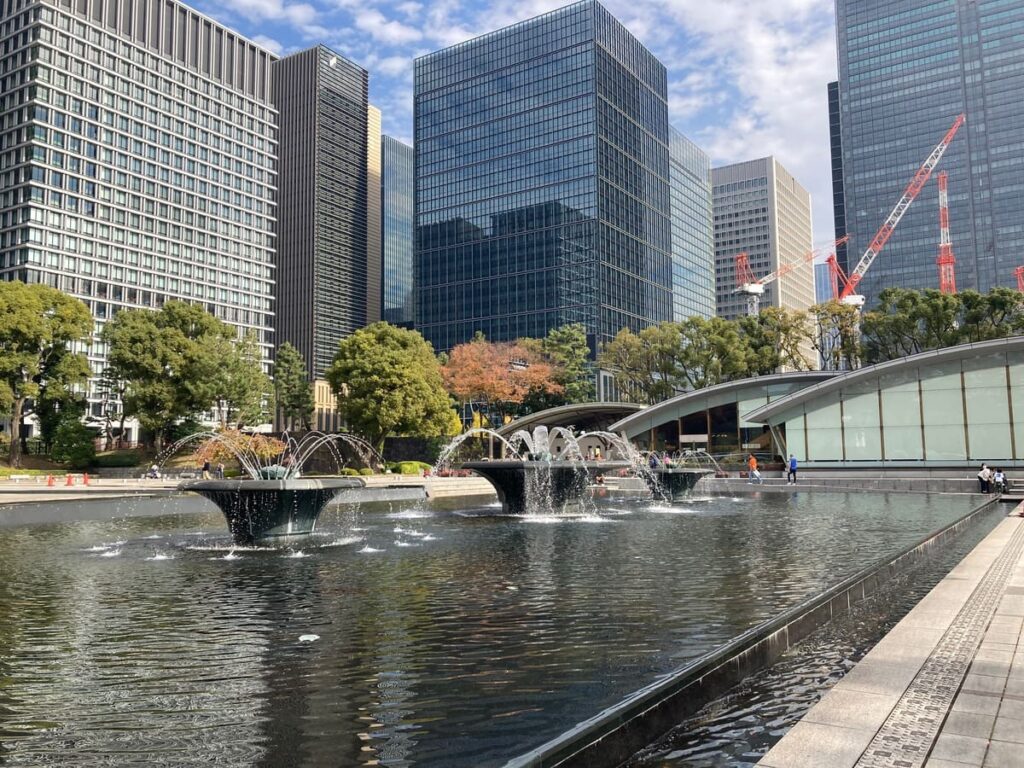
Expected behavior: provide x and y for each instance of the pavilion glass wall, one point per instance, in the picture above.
(952, 411)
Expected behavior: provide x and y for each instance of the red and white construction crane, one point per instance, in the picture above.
(946, 262)
(754, 288)
(847, 295)
(1019, 274)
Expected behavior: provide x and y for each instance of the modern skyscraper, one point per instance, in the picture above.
(325, 258)
(374, 215)
(396, 235)
(693, 252)
(137, 160)
(822, 283)
(907, 68)
(762, 210)
(835, 135)
(542, 182)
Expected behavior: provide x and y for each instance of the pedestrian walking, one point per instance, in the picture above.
(206, 470)
(791, 475)
(220, 471)
(755, 475)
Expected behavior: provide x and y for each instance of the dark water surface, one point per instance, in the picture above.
(738, 729)
(445, 638)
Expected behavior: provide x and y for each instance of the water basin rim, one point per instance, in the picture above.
(556, 463)
(567, 747)
(294, 484)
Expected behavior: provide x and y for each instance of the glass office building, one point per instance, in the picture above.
(693, 250)
(907, 68)
(396, 235)
(137, 161)
(542, 182)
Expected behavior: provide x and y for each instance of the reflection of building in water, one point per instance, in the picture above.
(542, 192)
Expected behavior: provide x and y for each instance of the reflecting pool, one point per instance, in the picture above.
(404, 635)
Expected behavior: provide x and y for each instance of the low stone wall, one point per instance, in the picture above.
(820, 482)
(619, 732)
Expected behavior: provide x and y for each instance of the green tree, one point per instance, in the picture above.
(626, 358)
(646, 364)
(173, 363)
(53, 412)
(292, 388)
(244, 392)
(992, 315)
(713, 351)
(73, 444)
(565, 349)
(838, 334)
(388, 382)
(37, 326)
(774, 339)
(907, 322)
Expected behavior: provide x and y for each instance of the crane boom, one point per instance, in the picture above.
(785, 269)
(909, 194)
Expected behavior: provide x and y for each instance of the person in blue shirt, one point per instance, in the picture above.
(791, 476)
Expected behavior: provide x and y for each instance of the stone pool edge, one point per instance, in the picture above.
(617, 733)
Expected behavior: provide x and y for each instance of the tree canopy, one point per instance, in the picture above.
(907, 322)
(495, 377)
(180, 361)
(292, 388)
(38, 324)
(663, 360)
(388, 382)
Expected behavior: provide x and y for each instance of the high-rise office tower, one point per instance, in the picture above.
(822, 283)
(542, 182)
(760, 209)
(396, 232)
(324, 254)
(907, 68)
(137, 160)
(835, 135)
(374, 214)
(693, 252)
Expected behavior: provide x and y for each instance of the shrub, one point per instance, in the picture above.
(365, 471)
(349, 472)
(411, 467)
(73, 445)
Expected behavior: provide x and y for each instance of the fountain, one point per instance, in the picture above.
(534, 479)
(677, 477)
(274, 505)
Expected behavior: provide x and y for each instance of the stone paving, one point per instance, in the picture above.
(944, 689)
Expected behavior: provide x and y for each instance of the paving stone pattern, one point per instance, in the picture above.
(908, 734)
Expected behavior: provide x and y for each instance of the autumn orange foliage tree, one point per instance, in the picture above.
(227, 446)
(495, 377)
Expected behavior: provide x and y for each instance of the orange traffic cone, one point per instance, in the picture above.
(50, 481)
(69, 479)
(85, 478)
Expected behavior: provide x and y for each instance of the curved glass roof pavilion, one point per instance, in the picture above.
(958, 406)
(953, 407)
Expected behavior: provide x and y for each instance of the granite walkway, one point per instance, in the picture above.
(944, 689)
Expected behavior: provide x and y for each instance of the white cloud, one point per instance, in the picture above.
(386, 30)
(776, 62)
(269, 43)
(299, 15)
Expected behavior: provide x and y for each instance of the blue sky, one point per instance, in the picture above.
(746, 79)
